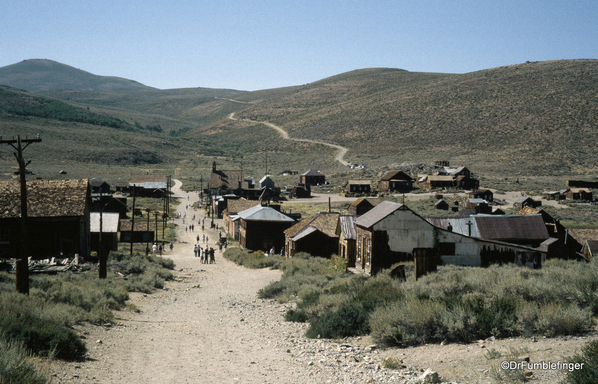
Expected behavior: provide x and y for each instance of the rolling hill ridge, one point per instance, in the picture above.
(530, 118)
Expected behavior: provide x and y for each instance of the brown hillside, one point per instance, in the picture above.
(527, 118)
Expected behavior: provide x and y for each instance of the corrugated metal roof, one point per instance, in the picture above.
(511, 227)
(377, 213)
(110, 222)
(259, 213)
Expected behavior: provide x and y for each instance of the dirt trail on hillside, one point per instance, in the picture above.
(340, 155)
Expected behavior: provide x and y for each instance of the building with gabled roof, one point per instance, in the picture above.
(230, 217)
(316, 235)
(58, 214)
(395, 181)
(392, 233)
(261, 228)
(312, 177)
(354, 187)
(362, 205)
(222, 182)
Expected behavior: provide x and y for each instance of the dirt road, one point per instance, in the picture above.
(341, 151)
(208, 326)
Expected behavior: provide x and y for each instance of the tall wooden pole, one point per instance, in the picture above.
(132, 221)
(22, 264)
(103, 261)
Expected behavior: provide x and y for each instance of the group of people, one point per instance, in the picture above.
(205, 255)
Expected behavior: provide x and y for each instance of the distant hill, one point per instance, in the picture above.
(537, 118)
(44, 75)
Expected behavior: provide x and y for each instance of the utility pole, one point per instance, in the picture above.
(22, 264)
(103, 269)
(132, 221)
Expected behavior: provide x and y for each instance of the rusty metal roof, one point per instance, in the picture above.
(511, 227)
(45, 198)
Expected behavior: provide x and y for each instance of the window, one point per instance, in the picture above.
(447, 249)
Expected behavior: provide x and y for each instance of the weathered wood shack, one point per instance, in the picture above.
(312, 177)
(316, 235)
(395, 181)
(58, 218)
(362, 205)
(355, 187)
(261, 228)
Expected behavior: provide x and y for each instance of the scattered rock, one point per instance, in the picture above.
(429, 376)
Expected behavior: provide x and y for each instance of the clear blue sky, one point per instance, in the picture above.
(253, 44)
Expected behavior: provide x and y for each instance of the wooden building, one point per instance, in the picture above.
(357, 187)
(441, 204)
(261, 228)
(481, 193)
(230, 218)
(362, 205)
(578, 194)
(150, 185)
(436, 181)
(316, 235)
(58, 218)
(145, 230)
(347, 239)
(99, 186)
(312, 177)
(526, 201)
(224, 182)
(395, 181)
(392, 233)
